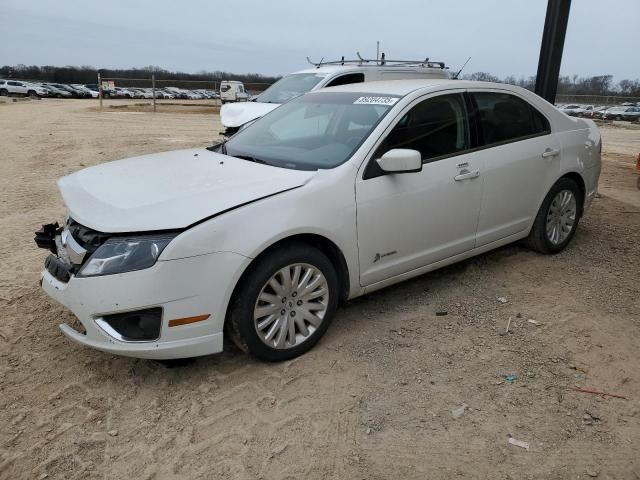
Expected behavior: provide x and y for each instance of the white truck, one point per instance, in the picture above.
(232, 91)
(321, 75)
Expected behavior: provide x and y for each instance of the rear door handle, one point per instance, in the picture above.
(466, 175)
(550, 153)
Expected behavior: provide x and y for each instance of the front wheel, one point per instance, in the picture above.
(285, 303)
(558, 217)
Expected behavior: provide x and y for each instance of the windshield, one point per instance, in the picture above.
(319, 130)
(290, 87)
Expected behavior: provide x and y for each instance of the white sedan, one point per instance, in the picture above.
(335, 194)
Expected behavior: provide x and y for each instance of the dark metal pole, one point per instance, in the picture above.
(555, 29)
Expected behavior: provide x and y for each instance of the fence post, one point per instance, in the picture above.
(100, 90)
(153, 87)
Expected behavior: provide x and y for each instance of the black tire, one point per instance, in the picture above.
(618, 117)
(32, 94)
(240, 321)
(538, 239)
(4, 92)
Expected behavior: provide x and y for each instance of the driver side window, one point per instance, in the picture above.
(435, 127)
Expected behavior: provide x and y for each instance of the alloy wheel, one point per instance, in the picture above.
(561, 217)
(291, 306)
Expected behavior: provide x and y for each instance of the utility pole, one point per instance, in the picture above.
(100, 90)
(555, 29)
(153, 87)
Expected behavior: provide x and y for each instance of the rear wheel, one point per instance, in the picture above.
(4, 92)
(285, 303)
(32, 94)
(558, 217)
(618, 117)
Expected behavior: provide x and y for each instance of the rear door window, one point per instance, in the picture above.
(505, 118)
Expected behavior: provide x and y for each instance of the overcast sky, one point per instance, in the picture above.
(275, 36)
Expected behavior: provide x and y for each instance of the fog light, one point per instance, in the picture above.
(136, 326)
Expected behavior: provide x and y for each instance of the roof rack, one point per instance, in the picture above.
(379, 61)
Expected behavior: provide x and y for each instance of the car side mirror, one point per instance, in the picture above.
(401, 160)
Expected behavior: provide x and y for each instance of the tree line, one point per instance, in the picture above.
(574, 85)
(571, 85)
(87, 74)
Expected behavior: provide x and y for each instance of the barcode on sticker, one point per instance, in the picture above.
(376, 101)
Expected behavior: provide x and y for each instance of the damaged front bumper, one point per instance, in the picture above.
(188, 287)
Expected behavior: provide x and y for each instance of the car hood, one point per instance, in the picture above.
(170, 190)
(237, 114)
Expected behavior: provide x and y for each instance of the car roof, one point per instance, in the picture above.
(404, 87)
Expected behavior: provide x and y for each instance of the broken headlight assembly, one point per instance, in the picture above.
(125, 254)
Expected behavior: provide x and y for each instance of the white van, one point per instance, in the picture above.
(321, 75)
(232, 91)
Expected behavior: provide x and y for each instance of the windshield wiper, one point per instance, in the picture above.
(251, 159)
(219, 148)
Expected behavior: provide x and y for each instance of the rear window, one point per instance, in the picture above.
(506, 118)
(346, 79)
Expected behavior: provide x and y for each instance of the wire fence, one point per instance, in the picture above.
(160, 89)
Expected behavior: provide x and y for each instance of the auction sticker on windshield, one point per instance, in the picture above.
(376, 101)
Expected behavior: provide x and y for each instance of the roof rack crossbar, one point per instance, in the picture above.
(380, 61)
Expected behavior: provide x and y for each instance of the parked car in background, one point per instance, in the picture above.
(574, 110)
(177, 92)
(232, 91)
(15, 87)
(327, 74)
(120, 92)
(616, 113)
(56, 92)
(106, 92)
(347, 190)
(631, 114)
(67, 88)
(143, 92)
(163, 94)
(89, 93)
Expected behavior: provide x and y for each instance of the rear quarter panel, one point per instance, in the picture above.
(581, 152)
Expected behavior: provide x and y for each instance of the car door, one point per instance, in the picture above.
(520, 158)
(410, 220)
(17, 87)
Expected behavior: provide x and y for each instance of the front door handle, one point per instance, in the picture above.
(467, 175)
(550, 152)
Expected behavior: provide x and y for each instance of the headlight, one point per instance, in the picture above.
(125, 254)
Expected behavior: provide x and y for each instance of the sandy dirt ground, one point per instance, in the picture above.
(392, 391)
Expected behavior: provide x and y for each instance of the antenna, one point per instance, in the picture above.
(455, 77)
